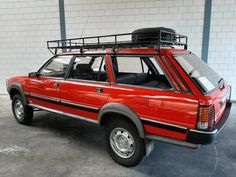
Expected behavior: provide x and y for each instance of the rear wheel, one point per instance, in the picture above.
(123, 143)
(22, 113)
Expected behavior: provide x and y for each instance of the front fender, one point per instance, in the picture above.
(17, 86)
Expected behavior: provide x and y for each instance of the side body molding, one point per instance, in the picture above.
(123, 110)
(17, 86)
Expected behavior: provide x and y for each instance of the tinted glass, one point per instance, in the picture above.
(89, 68)
(205, 77)
(140, 71)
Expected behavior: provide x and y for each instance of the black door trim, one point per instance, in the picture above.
(64, 103)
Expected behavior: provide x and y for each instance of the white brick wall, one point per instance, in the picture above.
(186, 16)
(222, 47)
(25, 26)
(121, 16)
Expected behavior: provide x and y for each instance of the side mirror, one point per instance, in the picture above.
(33, 75)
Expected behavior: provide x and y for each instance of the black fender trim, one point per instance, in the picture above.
(166, 126)
(123, 110)
(17, 86)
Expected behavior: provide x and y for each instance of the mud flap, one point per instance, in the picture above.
(149, 146)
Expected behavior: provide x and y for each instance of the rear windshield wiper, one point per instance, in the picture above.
(191, 72)
(221, 83)
(221, 79)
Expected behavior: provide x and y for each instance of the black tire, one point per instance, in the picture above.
(26, 112)
(139, 150)
(153, 35)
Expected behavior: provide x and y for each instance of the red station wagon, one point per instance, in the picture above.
(147, 88)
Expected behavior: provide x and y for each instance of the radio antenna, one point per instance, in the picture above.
(85, 24)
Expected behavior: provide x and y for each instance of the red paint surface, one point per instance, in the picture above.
(178, 107)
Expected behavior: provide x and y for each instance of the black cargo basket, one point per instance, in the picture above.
(146, 37)
(154, 35)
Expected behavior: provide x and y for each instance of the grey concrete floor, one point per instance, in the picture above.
(60, 146)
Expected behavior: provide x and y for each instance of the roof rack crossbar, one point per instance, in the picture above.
(101, 42)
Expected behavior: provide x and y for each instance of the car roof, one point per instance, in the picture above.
(128, 51)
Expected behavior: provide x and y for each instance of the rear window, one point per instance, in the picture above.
(205, 77)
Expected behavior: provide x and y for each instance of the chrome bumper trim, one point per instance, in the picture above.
(204, 132)
(63, 113)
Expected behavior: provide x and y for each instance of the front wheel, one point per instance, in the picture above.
(22, 113)
(123, 143)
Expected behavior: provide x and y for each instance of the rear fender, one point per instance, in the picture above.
(122, 110)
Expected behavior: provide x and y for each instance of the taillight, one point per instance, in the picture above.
(206, 117)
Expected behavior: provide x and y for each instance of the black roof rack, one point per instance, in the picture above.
(116, 41)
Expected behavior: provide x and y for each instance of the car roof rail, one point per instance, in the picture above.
(115, 41)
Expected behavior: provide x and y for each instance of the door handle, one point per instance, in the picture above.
(56, 84)
(99, 90)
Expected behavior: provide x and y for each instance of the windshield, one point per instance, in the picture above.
(205, 77)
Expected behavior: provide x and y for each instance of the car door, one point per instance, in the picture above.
(44, 89)
(87, 87)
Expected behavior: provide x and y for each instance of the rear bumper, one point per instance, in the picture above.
(207, 137)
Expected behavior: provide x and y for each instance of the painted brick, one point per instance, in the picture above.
(26, 25)
(222, 49)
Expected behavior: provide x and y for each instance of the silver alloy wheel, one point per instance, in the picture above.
(18, 109)
(122, 142)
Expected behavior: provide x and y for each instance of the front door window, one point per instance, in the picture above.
(57, 67)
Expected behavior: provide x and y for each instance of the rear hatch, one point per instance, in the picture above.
(209, 83)
(219, 99)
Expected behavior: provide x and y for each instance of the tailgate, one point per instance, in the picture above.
(220, 97)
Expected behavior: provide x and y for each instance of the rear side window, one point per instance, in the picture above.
(133, 66)
(141, 71)
(89, 68)
(157, 66)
